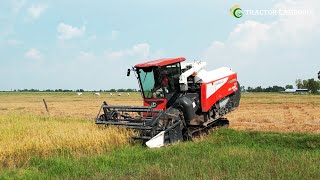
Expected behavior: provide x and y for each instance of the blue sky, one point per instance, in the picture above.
(90, 44)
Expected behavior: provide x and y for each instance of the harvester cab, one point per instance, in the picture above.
(159, 82)
(180, 100)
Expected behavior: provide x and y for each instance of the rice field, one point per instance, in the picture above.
(25, 136)
(277, 112)
(28, 130)
(262, 112)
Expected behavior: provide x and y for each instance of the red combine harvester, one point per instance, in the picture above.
(180, 99)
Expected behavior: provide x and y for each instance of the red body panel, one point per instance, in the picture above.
(160, 62)
(160, 103)
(219, 88)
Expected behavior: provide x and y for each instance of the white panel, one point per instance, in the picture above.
(157, 141)
(209, 76)
(212, 88)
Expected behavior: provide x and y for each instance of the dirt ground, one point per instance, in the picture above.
(262, 112)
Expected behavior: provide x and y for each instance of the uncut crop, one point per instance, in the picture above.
(25, 136)
(27, 131)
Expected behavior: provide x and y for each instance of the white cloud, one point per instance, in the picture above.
(248, 35)
(14, 42)
(93, 37)
(114, 35)
(86, 56)
(141, 50)
(67, 31)
(272, 52)
(35, 10)
(288, 30)
(17, 5)
(33, 53)
(296, 29)
(112, 55)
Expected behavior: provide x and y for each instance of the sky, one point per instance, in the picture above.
(90, 44)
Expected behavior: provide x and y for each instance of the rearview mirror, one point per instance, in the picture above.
(128, 72)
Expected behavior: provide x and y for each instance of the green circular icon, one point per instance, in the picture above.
(237, 13)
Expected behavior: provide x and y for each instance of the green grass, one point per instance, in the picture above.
(224, 154)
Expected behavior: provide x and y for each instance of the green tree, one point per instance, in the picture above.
(289, 87)
(258, 89)
(299, 84)
(312, 85)
(305, 84)
(130, 90)
(278, 88)
(309, 84)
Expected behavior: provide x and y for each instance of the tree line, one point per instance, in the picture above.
(77, 90)
(310, 84)
(268, 89)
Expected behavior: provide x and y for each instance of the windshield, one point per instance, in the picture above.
(156, 82)
(147, 81)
